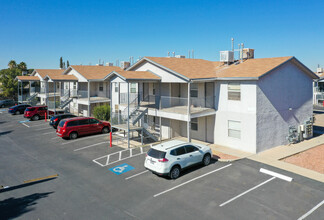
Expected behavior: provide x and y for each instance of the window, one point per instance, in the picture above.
(133, 87)
(74, 85)
(234, 91)
(72, 123)
(194, 90)
(191, 148)
(84, 122)
(179, 151)
(116, 87)
(93, 121)
(66, 85)
(101, 86)
(156, 153)
(234, 129)
(194, 124)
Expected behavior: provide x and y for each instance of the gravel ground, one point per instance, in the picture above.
(312, 159)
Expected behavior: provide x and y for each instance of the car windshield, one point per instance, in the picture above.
(30, 109)
(156, 153)
(61, 124)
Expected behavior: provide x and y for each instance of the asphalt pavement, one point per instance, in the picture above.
(90, 188)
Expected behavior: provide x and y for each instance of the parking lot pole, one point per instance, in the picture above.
(110, 134)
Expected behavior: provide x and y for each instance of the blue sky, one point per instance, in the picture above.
(39, 32)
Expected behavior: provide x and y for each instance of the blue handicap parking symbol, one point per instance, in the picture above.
(123, 168)
(24, 121)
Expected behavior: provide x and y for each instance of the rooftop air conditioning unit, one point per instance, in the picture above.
(319, 70)
(109, 64)
(124, 64)
(99, 64)
(248, 53)
(227, 56)
(180, 56)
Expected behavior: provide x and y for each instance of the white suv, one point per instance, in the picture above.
(169, 158)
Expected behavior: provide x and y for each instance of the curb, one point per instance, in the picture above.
(225, 160)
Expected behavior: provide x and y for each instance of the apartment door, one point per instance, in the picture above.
(209, 95)
(145, 91)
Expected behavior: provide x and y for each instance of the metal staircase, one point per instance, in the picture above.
(65, 99)
(65, 103)
(33, 96)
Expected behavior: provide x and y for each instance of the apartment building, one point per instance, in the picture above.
(250, 105)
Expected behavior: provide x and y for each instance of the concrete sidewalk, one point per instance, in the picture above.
(274, 156)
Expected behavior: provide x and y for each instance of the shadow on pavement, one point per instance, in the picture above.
(24, 185)
(14, 207)
(5, 132)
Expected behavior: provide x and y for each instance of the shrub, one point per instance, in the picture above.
(102, 112)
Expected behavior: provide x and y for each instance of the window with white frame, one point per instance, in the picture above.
(133, 87)
(74, 85)
(101, 86)
(66, 85)
(234, 129)
(194, 90)
(234, 91)
(194, 124)
(116, 87)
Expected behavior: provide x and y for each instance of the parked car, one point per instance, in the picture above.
(18, 109)
(7, 103)
(79, 126)
(170, 158)
(57, 118)
(37, 112)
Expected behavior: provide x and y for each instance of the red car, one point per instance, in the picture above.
(79, 126)
(37, 112)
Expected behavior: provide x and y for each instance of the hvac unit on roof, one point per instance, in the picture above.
(227, 56)
(247, 53)
(109, 64)
(180, 56)
(124, 64)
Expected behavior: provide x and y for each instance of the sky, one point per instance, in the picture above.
(39, 32)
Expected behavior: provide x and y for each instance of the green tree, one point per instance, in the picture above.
(22, 66)
(67, 63)
(61, 62)
(12, 64)
(8, 83)
(102, 112)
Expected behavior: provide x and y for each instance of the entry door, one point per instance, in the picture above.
(145, 91)
(209, 95)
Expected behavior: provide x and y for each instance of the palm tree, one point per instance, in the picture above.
(22, 66)
(12, 64)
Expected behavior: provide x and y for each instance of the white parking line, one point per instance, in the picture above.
(272, 178)
(312, 210)
(81, 139)
(136, 175)
(25, 125)
(105, 142)
(192, 180)
(40, 129)
(120, 156)
(278, 175)
(55, 137)
(48, 133)
(39, 125)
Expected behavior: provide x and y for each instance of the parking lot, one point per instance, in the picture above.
(98, 182)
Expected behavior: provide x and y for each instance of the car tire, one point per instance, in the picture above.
(105, 130)
(206, 160)
(175, 172)
(17, 112)
(73, 135)
(35, 118)
(2, 106)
